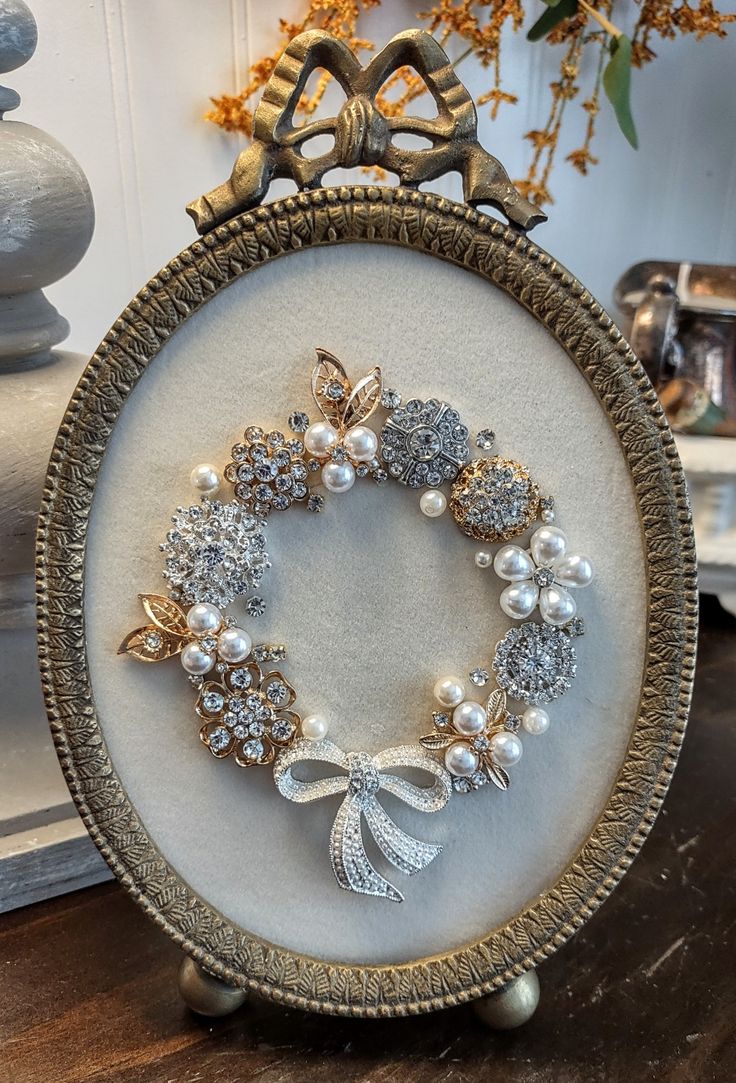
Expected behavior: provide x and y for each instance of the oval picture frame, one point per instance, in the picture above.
(510, 261)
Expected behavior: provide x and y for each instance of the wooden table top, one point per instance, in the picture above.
(644, 992)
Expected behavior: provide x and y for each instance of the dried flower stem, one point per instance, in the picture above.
(600, 19)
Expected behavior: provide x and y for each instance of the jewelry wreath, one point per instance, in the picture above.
(216, 552)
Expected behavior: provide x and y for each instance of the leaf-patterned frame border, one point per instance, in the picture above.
(510, 261)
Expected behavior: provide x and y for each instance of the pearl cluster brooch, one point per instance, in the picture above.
(215, 553)
(341, 444)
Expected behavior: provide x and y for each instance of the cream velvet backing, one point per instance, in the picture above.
(373, 600)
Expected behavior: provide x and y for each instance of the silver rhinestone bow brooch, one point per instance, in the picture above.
(364, 777)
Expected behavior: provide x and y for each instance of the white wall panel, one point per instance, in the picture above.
(124, 85)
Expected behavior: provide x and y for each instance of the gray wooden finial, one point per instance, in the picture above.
(18, 38)
(46, 211)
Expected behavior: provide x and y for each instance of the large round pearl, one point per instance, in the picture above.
(449, 691)
(432, 503)
(574, 571)
(557, 606)
(483, 559)
(338, 477)
(204, 619)
(196, 660)
(519, 599)
(234, 644)
(314, 727)
(361, 443)
(461, 759)
(320, 437)
(205, 479)
(513, 564)
(548, 545)
(535, 720)
(469, 718)
(506, 749)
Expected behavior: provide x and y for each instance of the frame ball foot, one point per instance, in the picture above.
(206, 995)
(511, 1006)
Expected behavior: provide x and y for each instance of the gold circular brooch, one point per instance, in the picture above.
(494, 499)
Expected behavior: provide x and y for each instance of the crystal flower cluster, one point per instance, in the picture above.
(246, 714)
(214, 552)
(268, 471)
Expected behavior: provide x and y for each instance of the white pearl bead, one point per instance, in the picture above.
(449, 691)
(483, 558)
(338, 477)
(314, 727)
(548, 545)
(205, 479)
(204, 618)
(234, 644)
(557, 606)
(548, 515)
(506, 749)
(513, 564)
(432, 503)
(320, 437)
(195, 660)
(361, 443)
(461, 759)
(574, 571)
(469, 718)
(519, 599)
(535, 720)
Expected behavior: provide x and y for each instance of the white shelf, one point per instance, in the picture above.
(710, 466)
(44, 846)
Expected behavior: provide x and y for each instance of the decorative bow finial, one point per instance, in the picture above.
(353, 871)
(362, 134)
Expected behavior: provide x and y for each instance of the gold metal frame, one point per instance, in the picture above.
(506, 260)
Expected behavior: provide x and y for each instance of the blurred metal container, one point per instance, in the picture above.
(681, 322)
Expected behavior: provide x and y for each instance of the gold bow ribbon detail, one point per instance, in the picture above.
(362, 134)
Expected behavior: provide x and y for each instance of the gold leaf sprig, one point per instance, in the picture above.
(339, 402)
(164, 637)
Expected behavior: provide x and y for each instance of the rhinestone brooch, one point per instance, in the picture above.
(214, 552)
(424, 443)
(535, 663)
(494, 499)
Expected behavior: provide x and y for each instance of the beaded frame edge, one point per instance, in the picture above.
(510, 261)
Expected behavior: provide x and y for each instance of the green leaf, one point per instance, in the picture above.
(617, 85)
(549, 19)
